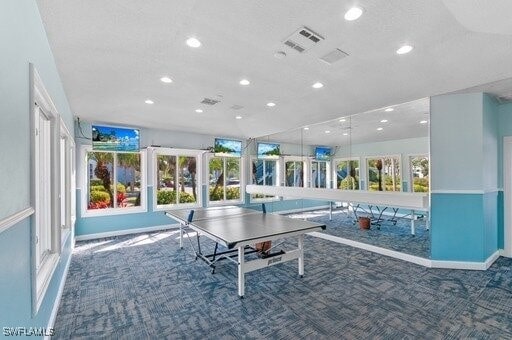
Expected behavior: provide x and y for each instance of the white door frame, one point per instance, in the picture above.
(507, 204)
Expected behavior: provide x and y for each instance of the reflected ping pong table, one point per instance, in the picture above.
(238, 229)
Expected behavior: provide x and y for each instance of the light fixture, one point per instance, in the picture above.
(238, 117)
(271, 104)
(193, 42)
(379, 129)
(384, 121)
(166, 80)
(342, 120)
(149, 101)
(327, 131)
(318, 85)
(199, 111)
(404, 49)
(280, 54)
(306, 128)
(244, 82)
(389, 109)
(345, 134)
(353, 14)
(424, 122)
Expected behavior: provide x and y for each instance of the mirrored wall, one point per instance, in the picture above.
(372, 158)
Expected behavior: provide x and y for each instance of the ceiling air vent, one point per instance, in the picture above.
(209, 101)
(334, 56)
(303, 39)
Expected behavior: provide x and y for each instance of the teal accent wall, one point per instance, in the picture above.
(456, 227)
(23, 41)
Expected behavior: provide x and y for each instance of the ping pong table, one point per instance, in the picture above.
(238, 229)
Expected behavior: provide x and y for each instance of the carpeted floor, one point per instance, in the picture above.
(395, 237)
(144, 287)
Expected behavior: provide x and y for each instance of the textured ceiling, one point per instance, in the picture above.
(111, 54)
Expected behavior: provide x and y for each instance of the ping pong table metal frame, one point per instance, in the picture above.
(243, 248)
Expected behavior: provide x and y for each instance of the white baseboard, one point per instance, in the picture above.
(125, 232)
(291, 211)
(55, 308)
(383, 251)
(467, 265)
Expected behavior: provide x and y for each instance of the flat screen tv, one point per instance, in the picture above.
(227, 147)
(109, 138)
(322, 153)
(268, 150)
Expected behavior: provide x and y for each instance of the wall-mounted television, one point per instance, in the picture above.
(268, 150)
(227, 147)
(322, 153)
(109, 138)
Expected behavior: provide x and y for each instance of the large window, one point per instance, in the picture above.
(347, 174)
(419, 173)
(264, 172)
(320, 174)
(294, 173)
(224, 179)
(177, 177)
(384, 173)
(114, 182)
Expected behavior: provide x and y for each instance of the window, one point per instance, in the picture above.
(224, 179)
(384, 173)
(67, 182)
(177, 177)
(264, 172)
(294, 173)
(347, 174)
(114, 182)
(419, 173)
(320, 174)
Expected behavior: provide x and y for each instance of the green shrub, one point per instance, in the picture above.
(99, 196)
(96, 182)
(169, 197)
(97, 188)
(420, 188)
(349, 183)
(121, 188)
(232, 193)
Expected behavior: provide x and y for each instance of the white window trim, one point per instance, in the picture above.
(42, 277)
(199, 166)
(277, 181)
(111, 211)
(367, 173)
(209, 203)
(70, 174)
(335, 163)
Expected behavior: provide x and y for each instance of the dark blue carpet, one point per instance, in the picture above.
(144, 287)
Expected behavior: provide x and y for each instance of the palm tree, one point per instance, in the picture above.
(130, 161)
(378, 165)
(102, 172)
(191, 166)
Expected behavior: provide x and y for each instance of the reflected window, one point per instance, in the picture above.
(347, 174)
(264, 172)
(319, 174)
(384, 173)
(224, 179)
(294, 174)
(420, 174)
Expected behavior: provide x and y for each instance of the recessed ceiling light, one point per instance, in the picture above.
(244, 82)
(384, 121)
(238, 117)
(271, 104)
(353, 14)
(404, 49)
(327, 131)
(424, 122)
(193, 42)
(306, 128)
(379, 129)
(342, 120)
(345, 134)
(199, 111)
(318, 85)
(389, 109)
(149, 101)
(166, 80)
(280, 54)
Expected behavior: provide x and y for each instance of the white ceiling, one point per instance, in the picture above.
(111, 54)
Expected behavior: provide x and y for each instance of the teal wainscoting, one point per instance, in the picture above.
(463, 226)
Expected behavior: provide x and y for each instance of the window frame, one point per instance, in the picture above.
(382, 157)
(277, 179)
(198, 154)
(305, 170)
(111, 211)
(69, 182)
(241, 200)
(336, 161)
(328, 181)
(411, 175)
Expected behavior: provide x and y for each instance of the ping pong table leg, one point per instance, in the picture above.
(301, 255)
(413, 227)
(241, 271)
(181, 235)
